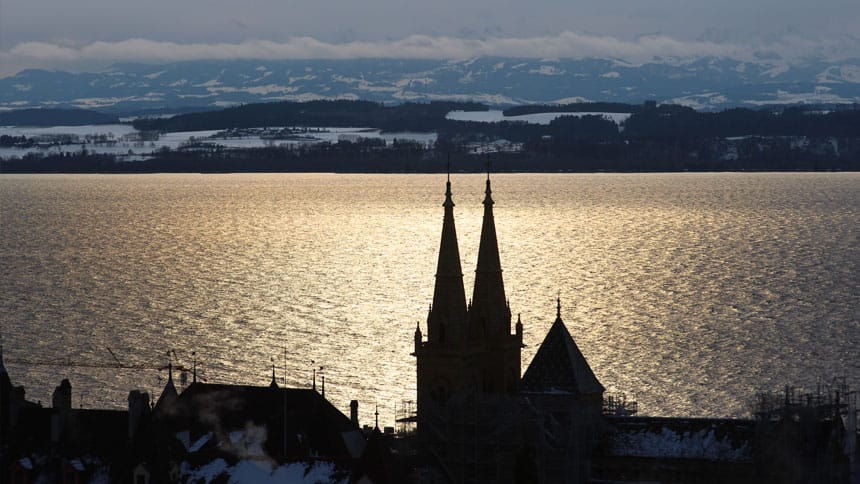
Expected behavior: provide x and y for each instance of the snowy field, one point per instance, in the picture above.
(124, 140)
(494, 116)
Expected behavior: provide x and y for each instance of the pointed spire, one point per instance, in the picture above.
(169, 395)
(194, 367)
(274, 383)
(489, 313)
(447, 315)
(170, 387)
(558, 365)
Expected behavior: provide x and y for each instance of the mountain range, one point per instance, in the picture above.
(706, 83)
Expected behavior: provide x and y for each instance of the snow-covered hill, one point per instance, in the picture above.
(704, 83)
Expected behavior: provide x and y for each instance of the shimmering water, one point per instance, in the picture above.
(689, 292)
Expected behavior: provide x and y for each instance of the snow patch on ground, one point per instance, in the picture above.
(308, 77)
(776, 70)
(546, 70)
(495, 116)
(411, 81)
(571, 100)
(209, 83)
(255, 472)
(269, 89)
(624, 63)
(817, 97)
(705, 100)
(702, 444)
(843, 73)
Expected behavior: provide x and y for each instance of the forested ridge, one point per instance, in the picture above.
(654, 138)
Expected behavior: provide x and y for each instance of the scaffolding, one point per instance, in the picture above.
(405, 416)
(618, 406)
(828, 402)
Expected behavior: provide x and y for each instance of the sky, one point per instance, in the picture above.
(91, 34)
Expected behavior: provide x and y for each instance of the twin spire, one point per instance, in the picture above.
(488, 314)
(447, 318)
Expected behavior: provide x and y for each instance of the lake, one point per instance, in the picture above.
(687, 292)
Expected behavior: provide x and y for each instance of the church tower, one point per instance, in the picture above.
(441, 360)
(468, 349)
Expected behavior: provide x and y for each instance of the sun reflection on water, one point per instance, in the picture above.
(688, 292)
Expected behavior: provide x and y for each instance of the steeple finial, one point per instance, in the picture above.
(376, 414)
(488, 199)
(194, 367)
(558, 307)
(449, 170)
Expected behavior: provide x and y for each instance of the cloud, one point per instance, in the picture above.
(563, 45)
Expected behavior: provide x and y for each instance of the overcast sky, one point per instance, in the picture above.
(80, 34)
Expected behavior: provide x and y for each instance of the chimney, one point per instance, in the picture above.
(353, 412)
(62, 401)
(62, 398)
(138, 409)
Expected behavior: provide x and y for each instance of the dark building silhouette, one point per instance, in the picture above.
(478, 420)
(206, 433)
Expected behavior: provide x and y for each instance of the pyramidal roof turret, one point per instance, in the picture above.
(489, 313)
(274, 383)
(448, 312)
(169, 395)
(559, 366)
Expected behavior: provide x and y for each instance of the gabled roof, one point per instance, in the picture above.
(559, 366)
(314, 426)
